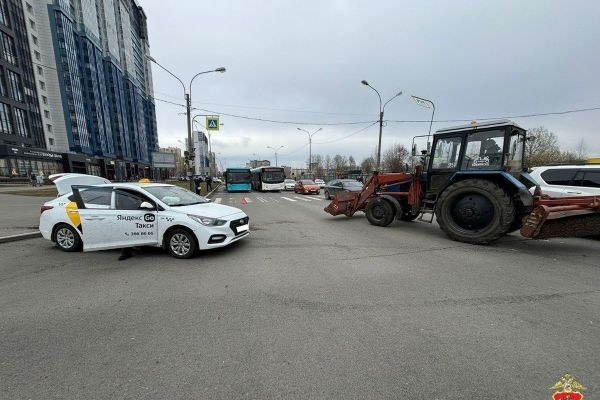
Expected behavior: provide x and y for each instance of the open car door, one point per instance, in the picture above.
(64, 182)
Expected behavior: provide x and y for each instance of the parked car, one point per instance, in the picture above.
(306, 186)
(104, 216)
(320, 182)
(289, 184)
(217, 180)
(568, 180)
(341, 185)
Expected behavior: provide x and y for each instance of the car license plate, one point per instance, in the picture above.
(242, 228)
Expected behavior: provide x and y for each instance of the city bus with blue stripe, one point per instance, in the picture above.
(238, 180)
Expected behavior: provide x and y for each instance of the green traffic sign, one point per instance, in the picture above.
(212, 123)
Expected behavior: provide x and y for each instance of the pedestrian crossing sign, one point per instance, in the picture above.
(212, 123)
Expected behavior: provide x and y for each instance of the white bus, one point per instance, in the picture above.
(268, 178)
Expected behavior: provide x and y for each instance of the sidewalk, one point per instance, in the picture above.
(20, 214)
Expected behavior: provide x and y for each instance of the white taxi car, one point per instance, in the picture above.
(96, 215)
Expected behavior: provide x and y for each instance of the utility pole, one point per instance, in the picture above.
(190, 149)
(381, 111)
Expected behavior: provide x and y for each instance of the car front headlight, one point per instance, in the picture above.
(207, 221)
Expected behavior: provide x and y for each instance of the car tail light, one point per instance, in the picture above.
(45, 208)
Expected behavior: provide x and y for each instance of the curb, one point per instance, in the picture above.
(213, 191)
(20, 236)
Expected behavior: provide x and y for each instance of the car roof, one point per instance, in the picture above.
(580, 166)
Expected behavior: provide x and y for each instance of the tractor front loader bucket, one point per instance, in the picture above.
(563, 217)
(343, 203)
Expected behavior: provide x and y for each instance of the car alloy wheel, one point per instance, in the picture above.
(65, 238)
(180, 244)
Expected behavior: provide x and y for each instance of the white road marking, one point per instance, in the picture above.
(313, 198)
(262, 200)
(288, 199)
(273, 199)
(218, 200)
(301, 198)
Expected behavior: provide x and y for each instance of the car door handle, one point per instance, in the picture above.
(572, 192)
(94, 218)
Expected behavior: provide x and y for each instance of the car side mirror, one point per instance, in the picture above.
(146, 206)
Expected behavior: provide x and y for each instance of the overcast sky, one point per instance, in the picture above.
(303, 61)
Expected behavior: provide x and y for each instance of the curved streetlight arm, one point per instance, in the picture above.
(378, 95)
(399, 94)
(169, 72)
(220, 69)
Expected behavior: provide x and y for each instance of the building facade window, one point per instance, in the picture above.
(32, 24)
(4, 13)
(34, 39)
(49, 128)
(46, 113)
(5, 121)
(2, 85)
(9, 53)
(40, 70)
(51, 141)
(14, 81)
(37, 54)
(29, 8)
(42, 85)
(21, 122)
(44, 100)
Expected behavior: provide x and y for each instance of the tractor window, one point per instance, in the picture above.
(514, 162)
(447, 153)
(484, 151)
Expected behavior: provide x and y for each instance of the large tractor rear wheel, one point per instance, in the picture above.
(475, 211)
(380, 212)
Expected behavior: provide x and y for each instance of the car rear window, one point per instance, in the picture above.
(559, 176)
(591, 179)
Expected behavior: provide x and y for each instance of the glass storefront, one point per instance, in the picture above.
(23, 167)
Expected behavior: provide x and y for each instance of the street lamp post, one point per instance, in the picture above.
(310, 135)
(188, 107)
(275, 150)
(381, 111)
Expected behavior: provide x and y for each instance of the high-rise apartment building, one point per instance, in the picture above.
(22, 142)
(91, 83)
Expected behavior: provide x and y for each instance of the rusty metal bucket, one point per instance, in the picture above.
(342, 203)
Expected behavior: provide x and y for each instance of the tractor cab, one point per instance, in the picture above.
(475, 149)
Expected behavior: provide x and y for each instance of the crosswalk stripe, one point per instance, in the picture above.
(301, 198)
(274, 199)
(313, 198)
(218, 200)
(262, 200)
(288, 199)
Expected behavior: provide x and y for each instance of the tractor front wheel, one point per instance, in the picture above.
(380, 212)
(475, 211)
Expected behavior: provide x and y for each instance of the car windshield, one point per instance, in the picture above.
(272, 176)
(290, 181)
(307, 182)
(353, 184)
(175, 196)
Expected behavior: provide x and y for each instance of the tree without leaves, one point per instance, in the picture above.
(351, 162)
(395, 158)
(340, 163)
(368, 165)
(542, 149)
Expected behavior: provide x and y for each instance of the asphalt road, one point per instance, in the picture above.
(308, 306)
